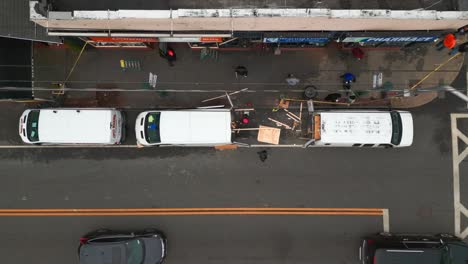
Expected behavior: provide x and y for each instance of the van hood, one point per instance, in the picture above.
(407, 132)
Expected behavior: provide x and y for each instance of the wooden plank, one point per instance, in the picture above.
(253, 128)
(269, 135)
(289, 112)
(226, 147)
(279, 123)
(293, 118)
(300, 113)
(222, 96)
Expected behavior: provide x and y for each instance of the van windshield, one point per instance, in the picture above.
(32, 126)
(396, 128)
(152, 127)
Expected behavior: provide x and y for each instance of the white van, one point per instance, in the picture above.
(372, 128)
(71, 126)
(200, 127)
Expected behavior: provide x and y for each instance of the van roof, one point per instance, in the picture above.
(195, 127)
(75, 126)
(356, 127)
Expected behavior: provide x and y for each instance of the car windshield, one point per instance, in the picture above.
(396, 128)
(32, 126)
(152, 127)
(135, 251)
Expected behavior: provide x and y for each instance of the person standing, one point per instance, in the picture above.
(241, 71)
(358, 53)
(348, 77)
(292, 80)
(462, 31)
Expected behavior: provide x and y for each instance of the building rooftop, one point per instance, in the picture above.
(71, 5)
(15, 22)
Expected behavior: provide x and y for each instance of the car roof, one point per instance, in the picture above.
(393, 256)
(108, 253)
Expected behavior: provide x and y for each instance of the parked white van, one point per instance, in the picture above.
(71, 126)
(197, 127)
(371, 128)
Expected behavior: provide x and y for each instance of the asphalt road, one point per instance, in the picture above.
(414, 183)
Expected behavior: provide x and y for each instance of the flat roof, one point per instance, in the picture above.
(71, 5)
(15, 22)
(356, 127)
(72, 126)
(195, 127)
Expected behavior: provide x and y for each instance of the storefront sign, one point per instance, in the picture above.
(389, 39)
(192, 39)
(295, 40)
(211, 39)
(128, 40)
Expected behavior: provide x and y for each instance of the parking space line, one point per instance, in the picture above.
(386, 220)
(459, 209)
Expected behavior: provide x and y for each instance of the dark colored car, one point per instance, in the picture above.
(389, 248)
(106, 246)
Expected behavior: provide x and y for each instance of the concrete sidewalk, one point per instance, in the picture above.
(193, 79)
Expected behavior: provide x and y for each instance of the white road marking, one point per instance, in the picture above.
(64, 146)
(386, 220)
(460, 209)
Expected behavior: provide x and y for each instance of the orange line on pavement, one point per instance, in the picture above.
(189, 211)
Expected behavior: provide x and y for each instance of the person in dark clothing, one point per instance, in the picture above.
(241, 71)
(263, 155)
(462, 31)
(460, 48)
(333, 97)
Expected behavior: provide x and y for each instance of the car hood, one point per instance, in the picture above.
(108, 254)
(154, 249)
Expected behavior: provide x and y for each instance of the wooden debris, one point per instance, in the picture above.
(295, 116)
(253, 128)
(226, 147)
(269, 135)
(300, 113)
(222, 96)
(283, 104)
(278, 123)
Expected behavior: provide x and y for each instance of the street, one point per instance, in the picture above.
(282, 132)
(414, 184)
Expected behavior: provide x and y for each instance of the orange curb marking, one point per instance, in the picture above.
(190, 211)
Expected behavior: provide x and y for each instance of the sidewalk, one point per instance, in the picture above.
(193, 79)
(99, 81)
